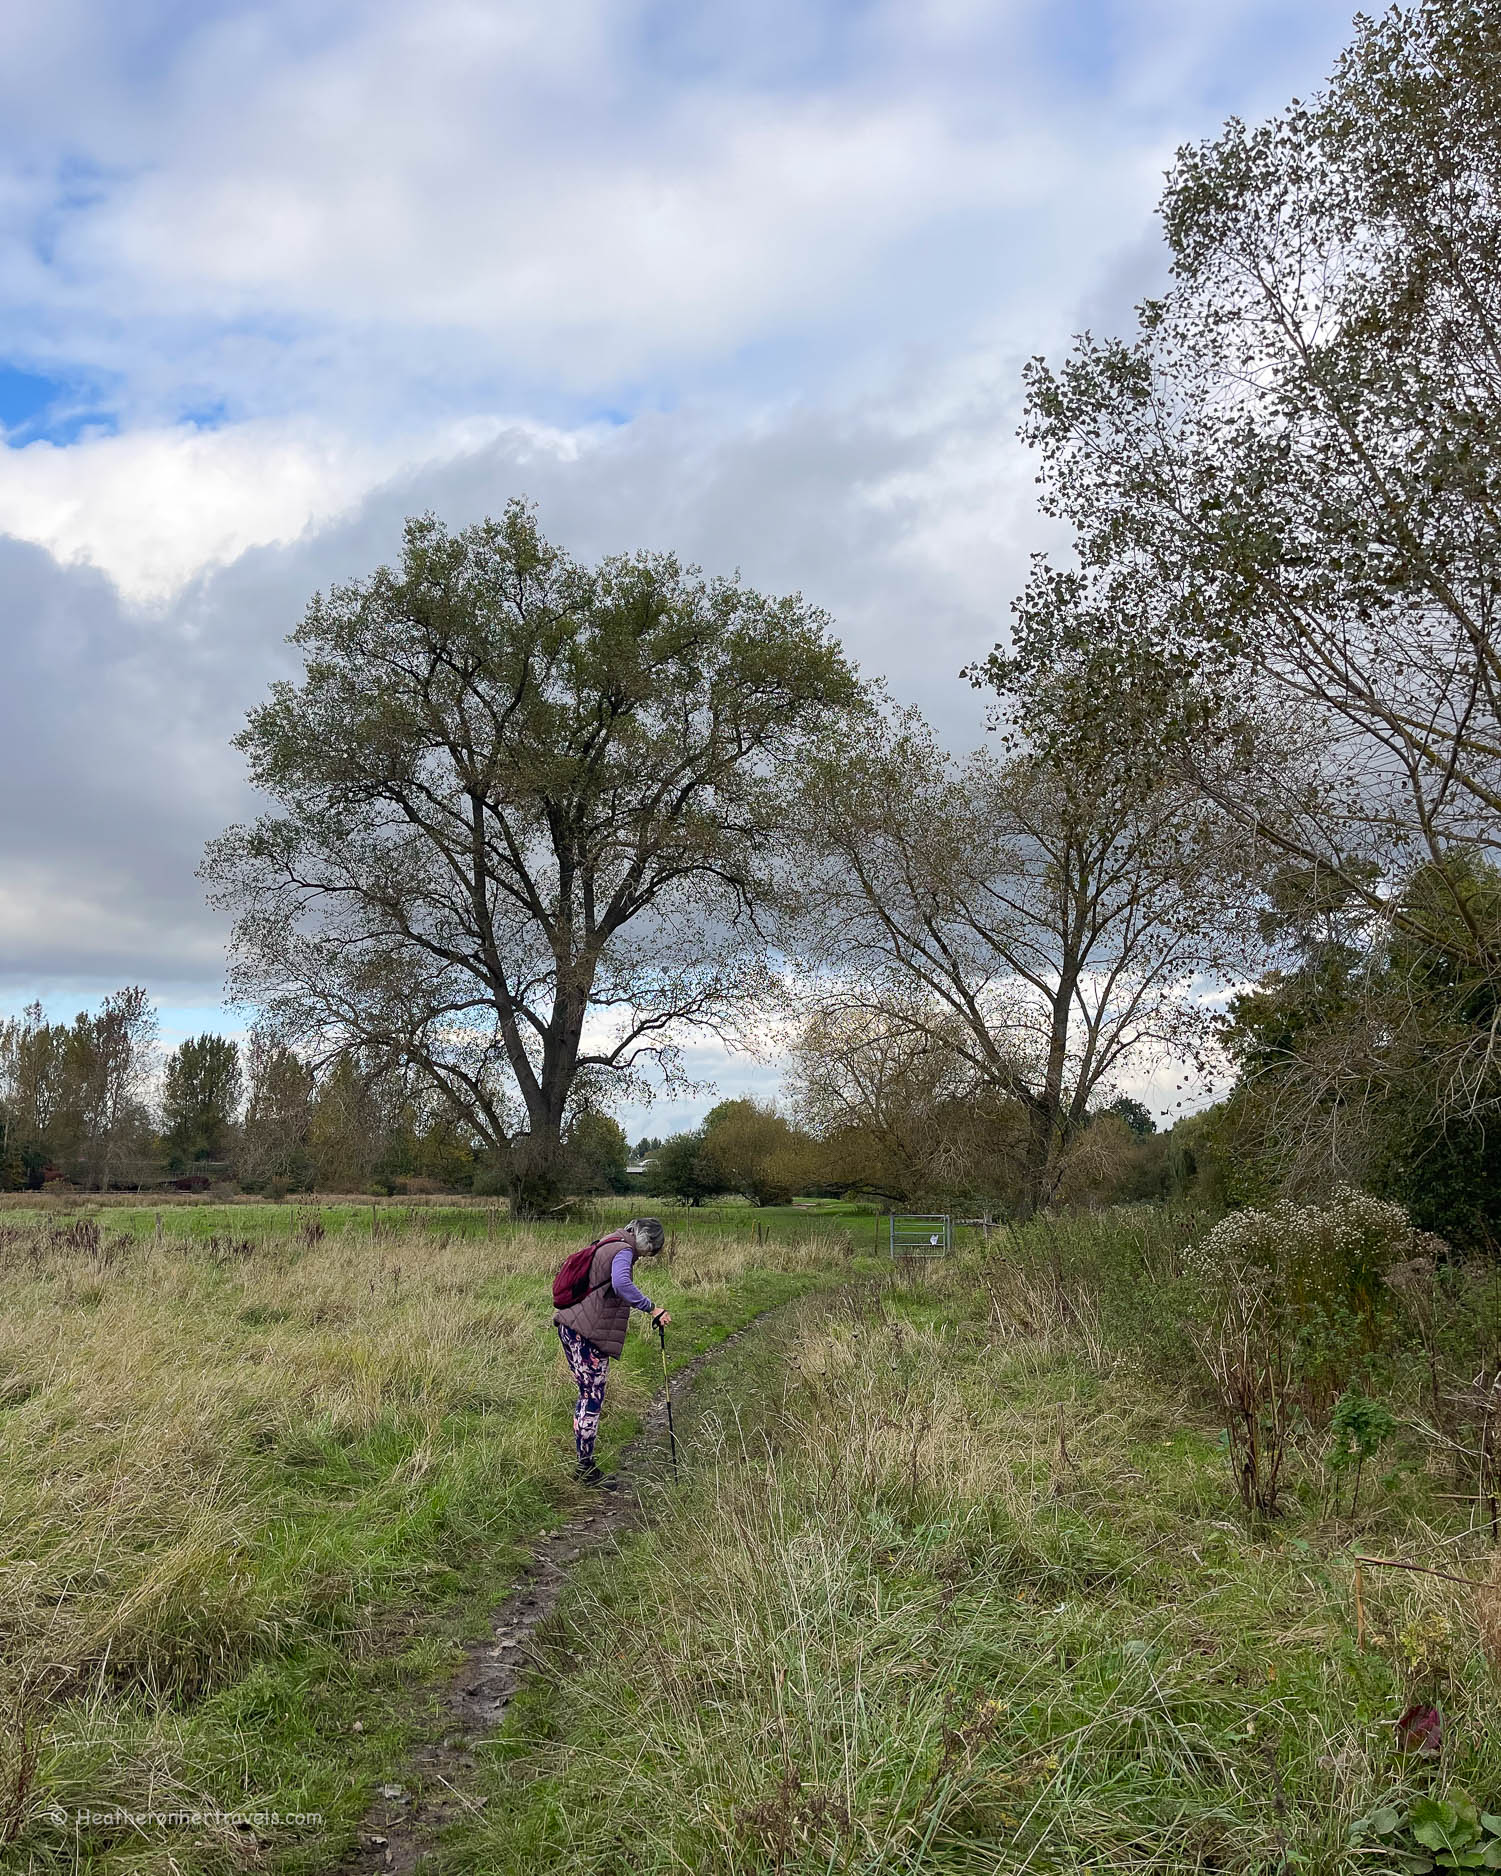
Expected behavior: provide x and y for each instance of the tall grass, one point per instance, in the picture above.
(959, 1584)
(460, 1216)
(239, 1474)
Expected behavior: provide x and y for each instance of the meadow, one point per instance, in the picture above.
(260, 1468)
(960, 1582)
(178, 1215)
(956, 1579)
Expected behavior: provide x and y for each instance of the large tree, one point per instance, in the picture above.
(349, 1126)
(526, 813)
(597, 1153)
(1286, 487)
(758, 1152)
(34, 1095)
(275, 1147)
(680, 1169)
(1045, 922)
(109, 1061)
(74, 1095)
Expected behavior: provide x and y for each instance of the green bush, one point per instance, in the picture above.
(1325, 1271)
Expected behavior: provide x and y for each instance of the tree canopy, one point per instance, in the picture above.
(527, 814)
(201, 1088)
(1039, 922)
(1282, 491)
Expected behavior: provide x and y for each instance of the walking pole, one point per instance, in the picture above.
(666, 1382)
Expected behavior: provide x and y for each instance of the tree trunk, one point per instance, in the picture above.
(534, 1183)
(536, 1177)
(1039, 1151)
(1047, 1106)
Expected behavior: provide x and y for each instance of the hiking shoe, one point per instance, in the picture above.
(589, 1474)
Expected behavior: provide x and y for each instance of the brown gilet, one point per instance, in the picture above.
(602, 1318)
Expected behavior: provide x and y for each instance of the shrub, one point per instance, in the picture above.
(1326, 1271)
(1361, 1427)
(1342, 1248)
(1290, 1300)
(1246, 1350)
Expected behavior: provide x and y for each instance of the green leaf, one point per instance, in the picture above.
(1492, 1855)
(1489, 1821)
(1433, 1822)
(1382, 1822)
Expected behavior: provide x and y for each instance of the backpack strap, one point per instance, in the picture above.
(608, 1276)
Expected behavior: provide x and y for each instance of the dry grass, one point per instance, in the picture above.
(950, 1595)
(227, 1462)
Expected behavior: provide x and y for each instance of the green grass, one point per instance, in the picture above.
(953, 1586)
(255, 1482)
(956, 1579)
(199, 1218)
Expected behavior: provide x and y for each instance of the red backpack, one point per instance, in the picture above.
(571, 1284)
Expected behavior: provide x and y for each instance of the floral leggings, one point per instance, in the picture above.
(590, 1366)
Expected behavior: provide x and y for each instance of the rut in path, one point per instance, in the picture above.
(401, 1828)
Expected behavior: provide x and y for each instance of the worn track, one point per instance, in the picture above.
(400, 1830)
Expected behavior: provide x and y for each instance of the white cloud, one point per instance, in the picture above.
(156, 508)
(372, 209)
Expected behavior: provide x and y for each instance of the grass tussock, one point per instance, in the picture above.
(243, 1473)
(961, 1583)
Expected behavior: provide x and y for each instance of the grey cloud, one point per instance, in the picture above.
(113, 761)
(848, 507)
(752, 253)
(115, 723)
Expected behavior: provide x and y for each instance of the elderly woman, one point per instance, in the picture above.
(593, 1329)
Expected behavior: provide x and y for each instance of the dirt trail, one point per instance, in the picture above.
(400, 1829)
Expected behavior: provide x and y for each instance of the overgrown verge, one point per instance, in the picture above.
(252, 1491)
(961, 1580)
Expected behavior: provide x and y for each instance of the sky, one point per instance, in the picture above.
(754, 283)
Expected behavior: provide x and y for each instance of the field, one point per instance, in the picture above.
(257, 1472)
(960, 1584)
(184, 1217)
(955, 1580)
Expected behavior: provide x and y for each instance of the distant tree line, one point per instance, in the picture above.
(96, 1104)
(906, 1148)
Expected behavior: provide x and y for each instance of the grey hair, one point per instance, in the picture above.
(648, 1233)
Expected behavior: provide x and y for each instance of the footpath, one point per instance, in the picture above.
(432, 1790)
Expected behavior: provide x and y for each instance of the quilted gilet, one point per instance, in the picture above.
(602, 1318)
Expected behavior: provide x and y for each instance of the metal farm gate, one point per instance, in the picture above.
(913, 1235)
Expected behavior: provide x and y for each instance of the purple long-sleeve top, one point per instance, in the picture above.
(620, 1280)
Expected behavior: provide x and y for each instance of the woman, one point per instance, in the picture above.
(593, 1329)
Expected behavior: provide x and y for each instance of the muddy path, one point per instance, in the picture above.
(434, 1786)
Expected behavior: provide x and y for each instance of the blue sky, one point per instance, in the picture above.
(751, 282)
